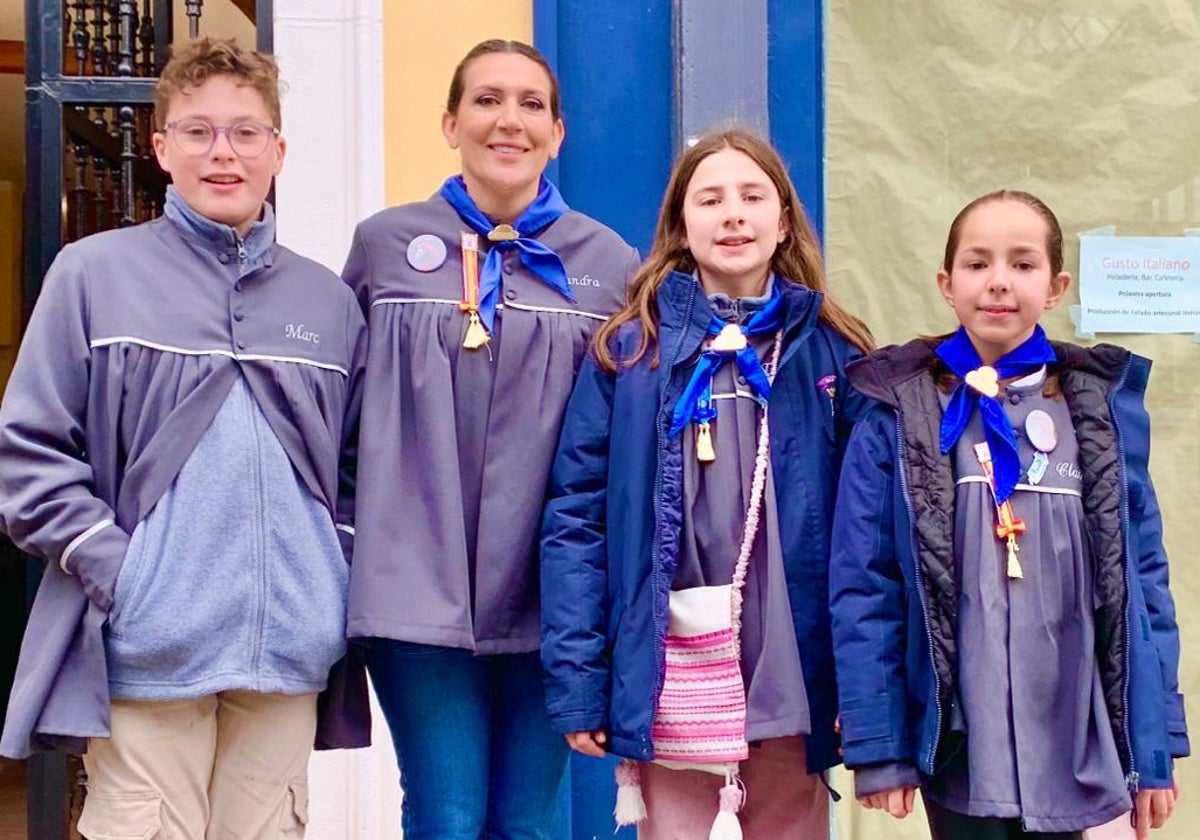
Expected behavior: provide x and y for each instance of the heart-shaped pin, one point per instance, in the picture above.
(730, 339)
(984, 380)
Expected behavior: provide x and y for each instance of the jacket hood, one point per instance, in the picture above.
(878, 374)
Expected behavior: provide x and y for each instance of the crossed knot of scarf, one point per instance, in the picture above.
(541, 260)
(979, 385)
(695, 403)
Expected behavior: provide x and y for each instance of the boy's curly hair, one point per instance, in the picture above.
(195, 62)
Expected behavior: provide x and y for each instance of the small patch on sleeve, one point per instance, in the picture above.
(1162, 767)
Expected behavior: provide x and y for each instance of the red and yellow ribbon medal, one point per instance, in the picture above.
(1007, 525)
(477, 335)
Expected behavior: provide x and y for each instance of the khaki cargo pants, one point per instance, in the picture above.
(229, 766)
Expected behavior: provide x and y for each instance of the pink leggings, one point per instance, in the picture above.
(782, 800)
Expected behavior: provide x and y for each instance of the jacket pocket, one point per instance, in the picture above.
(122, 816)
(304, 622)
(127, 588)
(295, 809)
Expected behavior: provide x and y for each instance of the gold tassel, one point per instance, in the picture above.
(705, 452)
(1014, 565)
(477, 335)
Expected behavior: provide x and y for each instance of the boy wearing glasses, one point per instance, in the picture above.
(177, 441)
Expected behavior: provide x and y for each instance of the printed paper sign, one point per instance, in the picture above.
(1139, 284)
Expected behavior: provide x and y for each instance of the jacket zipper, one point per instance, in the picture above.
(1132, 778)
(259, 514)
(912, 535)
(660, 634)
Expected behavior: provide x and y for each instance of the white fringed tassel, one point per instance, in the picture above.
(631, 806)
(726, 826)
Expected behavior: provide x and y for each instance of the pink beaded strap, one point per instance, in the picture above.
(757, 488)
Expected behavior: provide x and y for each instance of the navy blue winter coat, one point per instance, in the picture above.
(893, 581)
(611, 531)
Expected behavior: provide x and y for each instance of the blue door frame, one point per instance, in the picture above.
(617, 63)
(616, 67)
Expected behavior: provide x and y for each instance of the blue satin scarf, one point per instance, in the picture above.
(695, 403)
(539, 259)
(960, 356)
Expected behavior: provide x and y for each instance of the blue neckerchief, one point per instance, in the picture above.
(539, 259)
(221, 237)
(960, 356)
(695, 403)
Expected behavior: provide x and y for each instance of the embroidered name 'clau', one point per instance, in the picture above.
(1068, 470)
(299, 332)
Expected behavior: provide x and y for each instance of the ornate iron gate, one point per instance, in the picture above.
(90, 71)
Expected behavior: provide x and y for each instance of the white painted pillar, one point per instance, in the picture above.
(330, 55)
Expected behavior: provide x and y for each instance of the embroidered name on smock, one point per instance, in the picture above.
(585, 280)
(299, 332)
(1067, 470)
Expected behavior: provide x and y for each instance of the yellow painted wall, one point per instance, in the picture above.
(423, 40)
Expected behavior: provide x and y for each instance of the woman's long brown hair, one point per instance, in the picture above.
(798, 257)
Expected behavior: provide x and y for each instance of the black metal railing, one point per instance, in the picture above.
(91, 67)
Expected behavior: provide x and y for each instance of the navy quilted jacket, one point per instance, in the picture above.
(892, 576)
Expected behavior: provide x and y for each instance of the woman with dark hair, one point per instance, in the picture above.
(481, 304)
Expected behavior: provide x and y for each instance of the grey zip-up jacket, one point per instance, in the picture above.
(137, 338)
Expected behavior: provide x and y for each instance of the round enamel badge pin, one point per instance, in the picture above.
(426, 253)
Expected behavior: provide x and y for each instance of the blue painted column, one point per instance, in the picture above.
(796, 97)
(614, 62)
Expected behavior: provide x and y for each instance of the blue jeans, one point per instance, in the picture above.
(478, 760)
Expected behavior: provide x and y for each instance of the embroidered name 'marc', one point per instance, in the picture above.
(299, 332)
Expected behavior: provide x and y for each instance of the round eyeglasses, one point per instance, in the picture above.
(197, 137)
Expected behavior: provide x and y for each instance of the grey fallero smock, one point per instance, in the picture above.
(716, 498)
(457, 443)
(136, 341)
(1039, 746)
